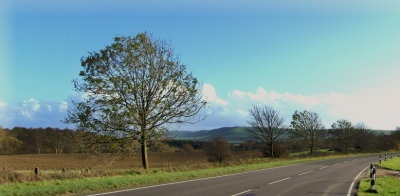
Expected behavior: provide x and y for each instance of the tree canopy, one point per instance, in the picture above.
(308, 127)
(132, 89)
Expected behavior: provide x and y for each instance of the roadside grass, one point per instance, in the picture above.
(154, 176)
(385, 185)
(392, 164)
(307, 153)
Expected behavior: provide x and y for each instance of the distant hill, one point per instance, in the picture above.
(230, 134)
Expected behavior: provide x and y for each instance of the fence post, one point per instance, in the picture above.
(380, 158)
(36, 171)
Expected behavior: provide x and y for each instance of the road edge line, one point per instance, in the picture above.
(354, 181)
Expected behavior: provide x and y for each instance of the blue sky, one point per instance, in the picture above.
(338, 58)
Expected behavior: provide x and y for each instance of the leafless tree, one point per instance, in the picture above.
(267, 126)
(363, 137)
(218, 150)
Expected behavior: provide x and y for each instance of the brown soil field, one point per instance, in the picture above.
(195, 159)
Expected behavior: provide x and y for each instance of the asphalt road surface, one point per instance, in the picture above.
(329, 177)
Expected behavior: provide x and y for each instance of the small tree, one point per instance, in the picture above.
(363, 137)
(307, 126)
(343, 132)
(132, 89)
(218, 150)
(267, 126)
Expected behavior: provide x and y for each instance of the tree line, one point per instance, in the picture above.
(20, 140)
(307, 130)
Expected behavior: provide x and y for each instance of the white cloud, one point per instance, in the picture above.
(265, 97)
(32, 104)
(261, 95)
(34, 113)
(63, 106)
(377, 108)
(29, 108)
(210, 95)
(3, 104)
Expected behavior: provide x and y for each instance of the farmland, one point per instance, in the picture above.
(87, 165)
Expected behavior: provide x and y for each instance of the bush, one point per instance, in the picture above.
(187, 147)
(280, 150)
(218, 150)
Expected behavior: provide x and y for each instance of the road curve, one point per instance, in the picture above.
(329, 177)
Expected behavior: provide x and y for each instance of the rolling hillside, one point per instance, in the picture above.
(230, 134)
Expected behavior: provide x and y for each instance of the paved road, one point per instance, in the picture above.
(330, 177)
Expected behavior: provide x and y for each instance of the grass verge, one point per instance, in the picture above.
(392, 164)
(87, 185)
(385, 185)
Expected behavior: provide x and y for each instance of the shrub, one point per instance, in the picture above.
(218, 150)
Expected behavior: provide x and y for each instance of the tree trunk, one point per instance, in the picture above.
(272, 150)
(311, 149)
(145, 161)
(346, 148)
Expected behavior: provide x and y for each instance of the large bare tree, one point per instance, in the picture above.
(307, 126)
(343, 131)
(267, 126)
(134, 88)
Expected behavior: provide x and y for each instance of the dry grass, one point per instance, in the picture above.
(19, 168)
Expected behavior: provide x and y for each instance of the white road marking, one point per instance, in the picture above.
(354, 180)
(305, 172)
(323, 167)
(337, 164)
(194, 180)
(241, 193)
(181, 182)
(279, 180)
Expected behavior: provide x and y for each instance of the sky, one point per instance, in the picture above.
(337, 58)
